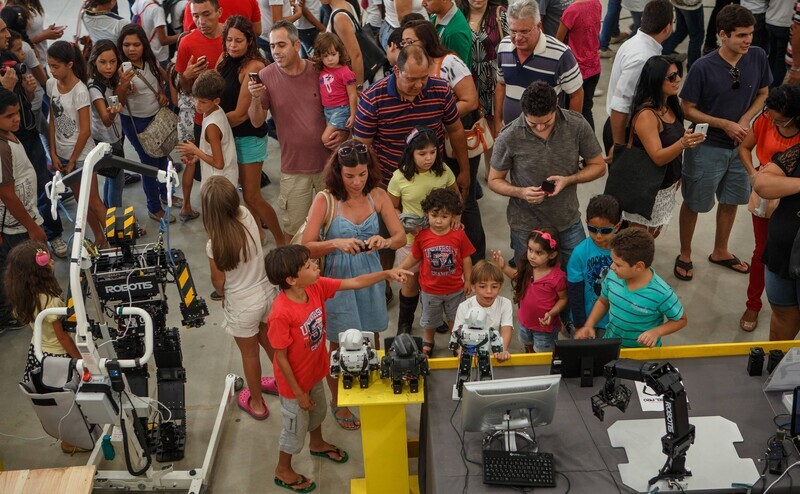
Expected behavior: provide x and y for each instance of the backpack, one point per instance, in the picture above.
(137, 19)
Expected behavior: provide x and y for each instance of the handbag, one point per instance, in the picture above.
(372, 54)
(633, 178)
(330, 209)
(161, 135)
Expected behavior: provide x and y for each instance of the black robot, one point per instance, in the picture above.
(404, 362)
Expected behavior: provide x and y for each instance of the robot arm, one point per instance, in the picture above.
(335, 366)
(455, 338)
(497, 342)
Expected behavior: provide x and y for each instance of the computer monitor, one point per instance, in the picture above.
(528, 401)
(584, 358)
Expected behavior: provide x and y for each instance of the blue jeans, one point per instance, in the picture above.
(778, 39)
(688, 23)
(112, 187)
(541, 341)
(307, 38)
(610, 23)
(386, 31)
(153, 189)
(567, 239)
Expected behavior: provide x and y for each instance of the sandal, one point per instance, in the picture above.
(427, 345)
(342, 454)
(347, 423)
(244, 404)
(292, 485)
(685, 266)
(731, 264)
(749, 320)
(269, 386)
(188, 217)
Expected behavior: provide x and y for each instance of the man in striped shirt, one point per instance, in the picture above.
(405, 99)
(641, 306)
(529, 55)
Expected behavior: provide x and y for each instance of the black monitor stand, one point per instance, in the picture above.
(587, 371)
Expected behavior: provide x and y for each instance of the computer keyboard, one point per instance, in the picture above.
(519, 468)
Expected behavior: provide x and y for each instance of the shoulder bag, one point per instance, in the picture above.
(330, 211)
(372, 54)
(161, 135)
(633, 178)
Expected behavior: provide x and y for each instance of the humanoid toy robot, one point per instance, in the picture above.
(476, 340)
(354, 358)
(404, 362)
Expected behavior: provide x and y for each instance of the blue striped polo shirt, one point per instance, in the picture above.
(631, 313)
(386, 118)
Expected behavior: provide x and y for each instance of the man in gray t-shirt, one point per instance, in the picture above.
(544, 143)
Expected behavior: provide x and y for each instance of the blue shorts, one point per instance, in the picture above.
(710, 171)
(337, 116)
(250, 149)
(542, 341)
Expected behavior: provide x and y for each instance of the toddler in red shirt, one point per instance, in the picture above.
(297, 334)
(446, 264)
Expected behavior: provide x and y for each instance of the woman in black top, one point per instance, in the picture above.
(780, 179)
(240, 57)
(658, 128)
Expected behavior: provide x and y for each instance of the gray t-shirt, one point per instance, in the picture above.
(551, 13)
(529, 159)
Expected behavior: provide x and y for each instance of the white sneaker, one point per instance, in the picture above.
(609, 53)
(59, 247)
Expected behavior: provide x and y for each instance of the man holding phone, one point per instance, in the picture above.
(198, 51)
(724, 91)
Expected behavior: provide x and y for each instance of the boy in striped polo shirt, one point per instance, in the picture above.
(641, 306)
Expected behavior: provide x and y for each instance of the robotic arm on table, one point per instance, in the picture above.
(666, 381)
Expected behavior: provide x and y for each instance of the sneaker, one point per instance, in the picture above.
(678, 57)
(59, 247)
(598, 92)
(132, 178)
(709, 48)
(615, 40)
(607, 53)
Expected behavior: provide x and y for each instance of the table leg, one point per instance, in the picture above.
(384, 441)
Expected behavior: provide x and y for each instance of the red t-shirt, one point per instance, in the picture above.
(300, 329)
(442, 260)
(246, 8)
(539, 298)
(196, 45)
(769, 141)
(583, 21)
(333, 86)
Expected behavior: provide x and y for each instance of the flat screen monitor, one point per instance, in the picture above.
(528, 401)
(584, 358)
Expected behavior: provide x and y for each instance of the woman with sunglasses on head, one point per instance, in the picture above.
(351, 246)
(772, 132)
(657, 126)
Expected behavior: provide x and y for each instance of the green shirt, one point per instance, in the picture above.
(455, 34)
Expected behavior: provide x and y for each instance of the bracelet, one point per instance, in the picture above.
(792, 69)
(682, 144)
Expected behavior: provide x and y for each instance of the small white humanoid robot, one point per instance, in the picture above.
(476, 340)
(354, 358)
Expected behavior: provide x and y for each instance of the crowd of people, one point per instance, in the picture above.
(379, 170)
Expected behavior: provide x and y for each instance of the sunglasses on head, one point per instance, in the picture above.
(603, 230)
(734, 72)
(359, 148)
(672, 76)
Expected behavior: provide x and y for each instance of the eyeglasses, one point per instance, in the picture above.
(407, 42)
(525, 32)
(673, 76)
(602, 230)
(734, 72)
(359, 148)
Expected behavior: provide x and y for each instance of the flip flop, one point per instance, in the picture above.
(337, 451)
(269, 386)
(244, 404)
(730, 263)
(188, 217)
(685, 266)
(349, 423)
(749, 325)
(427, 345)
(291, 485)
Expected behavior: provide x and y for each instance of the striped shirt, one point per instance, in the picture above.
(386, 118)
(631, 313)
(551, 61)
(795, 20)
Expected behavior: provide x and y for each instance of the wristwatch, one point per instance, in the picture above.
(360, 87)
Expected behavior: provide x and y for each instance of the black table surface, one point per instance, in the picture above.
(579, 441)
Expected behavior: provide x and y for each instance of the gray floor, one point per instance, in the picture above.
(714, 302)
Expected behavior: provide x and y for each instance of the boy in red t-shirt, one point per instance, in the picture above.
(446, 264)
(297, 334)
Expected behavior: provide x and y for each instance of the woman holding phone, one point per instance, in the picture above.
(240, 58)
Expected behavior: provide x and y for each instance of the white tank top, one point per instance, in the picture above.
(231, 168)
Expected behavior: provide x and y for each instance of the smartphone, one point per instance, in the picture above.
(254, 77)
(701, 128)
(126, 66)
(548, 186)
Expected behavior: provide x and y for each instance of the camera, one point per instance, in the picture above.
(19, 67)
(113, 100)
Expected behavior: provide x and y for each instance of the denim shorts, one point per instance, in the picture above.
(337, 116)
(710, 171)
(542, 341)
(251, 149)
(781, 292)
(434, 305)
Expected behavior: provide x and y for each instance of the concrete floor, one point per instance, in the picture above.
(714, 302)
